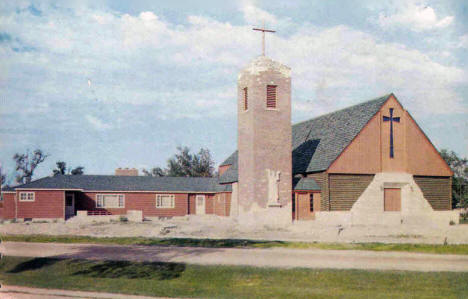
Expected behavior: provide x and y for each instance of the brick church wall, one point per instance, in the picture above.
(222, 204)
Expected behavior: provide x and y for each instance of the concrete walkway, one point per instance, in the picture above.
(271, 257)
(17, 292)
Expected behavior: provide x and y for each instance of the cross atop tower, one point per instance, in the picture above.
(263, 30)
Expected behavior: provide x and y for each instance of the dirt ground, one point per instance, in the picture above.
(220, 227)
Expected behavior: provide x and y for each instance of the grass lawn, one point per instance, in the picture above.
(169, 279)
(240, 243)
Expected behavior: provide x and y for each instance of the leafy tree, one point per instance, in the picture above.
(77, 170)
(61, 168)
(203, 164)
(156, 171)
(185, 164)
(459, 167)
(27, 163)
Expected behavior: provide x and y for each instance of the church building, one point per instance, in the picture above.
(366, 164)
(369, 163)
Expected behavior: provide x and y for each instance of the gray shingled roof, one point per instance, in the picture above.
(8, 189)
(319, 141)
(307, 184)
(230, 160)
(127, 183)
(230, 175)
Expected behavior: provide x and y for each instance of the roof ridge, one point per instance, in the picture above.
(346, 108)
(32, 181)
(132, 176)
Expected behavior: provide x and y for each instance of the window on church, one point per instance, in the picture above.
(246, 99)
(271, 96)
(311, 202)
(294, 202)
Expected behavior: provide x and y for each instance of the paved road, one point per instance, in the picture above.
(271, 257)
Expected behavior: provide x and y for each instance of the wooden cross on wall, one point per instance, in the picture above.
(391, 119)
(263, 30)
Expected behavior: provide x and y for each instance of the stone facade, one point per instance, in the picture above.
(264, 138)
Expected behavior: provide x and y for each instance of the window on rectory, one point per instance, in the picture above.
(246, 99)
(271, 97)
(165, 201)
(110, 201)
(26, 196)
(311, 202)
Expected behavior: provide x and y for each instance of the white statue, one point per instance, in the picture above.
(273, 186)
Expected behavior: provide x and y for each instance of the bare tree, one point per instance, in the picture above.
(27, 163)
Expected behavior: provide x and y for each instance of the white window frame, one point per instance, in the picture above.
(159, 201)
(101, 203)
(28, 196)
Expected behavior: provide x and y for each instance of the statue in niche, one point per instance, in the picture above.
(273, 187)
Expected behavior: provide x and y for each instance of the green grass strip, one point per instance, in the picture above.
(240, 243)
(181, 280)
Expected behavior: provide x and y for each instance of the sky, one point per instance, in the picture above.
(108, 84)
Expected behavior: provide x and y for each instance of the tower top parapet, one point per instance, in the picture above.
(263, 64)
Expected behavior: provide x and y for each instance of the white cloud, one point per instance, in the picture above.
(256, 16)
(416, 16)
(189, 71)
(97, 123)
(463, 41)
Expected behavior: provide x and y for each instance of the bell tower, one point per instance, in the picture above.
(264, 140)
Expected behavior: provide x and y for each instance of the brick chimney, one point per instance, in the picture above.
(126, 171)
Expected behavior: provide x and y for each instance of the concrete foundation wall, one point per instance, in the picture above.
(275, 217)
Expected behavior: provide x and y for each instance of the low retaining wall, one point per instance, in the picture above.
(132, 215)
